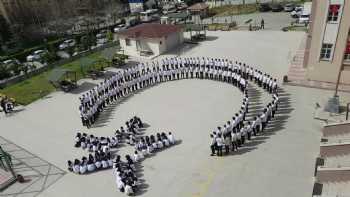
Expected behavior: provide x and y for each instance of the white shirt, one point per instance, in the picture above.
(219, 141)
(171, 139)
(128, 190)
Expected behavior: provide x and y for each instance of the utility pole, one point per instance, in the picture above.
(333, 103)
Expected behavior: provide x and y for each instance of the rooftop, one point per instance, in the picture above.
(198, 6)
(150, 30)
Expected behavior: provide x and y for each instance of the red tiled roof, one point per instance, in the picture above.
(150, 30)
(198, 6)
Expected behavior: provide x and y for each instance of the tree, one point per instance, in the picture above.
(109, 35)
(119, 60)
(4, 72)
(191, 2)
(5, 31)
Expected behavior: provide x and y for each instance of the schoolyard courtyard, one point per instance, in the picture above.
(279, 163)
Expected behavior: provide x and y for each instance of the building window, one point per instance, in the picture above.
(127, 42)
(333, 12)
(347, 52)
(326, 51)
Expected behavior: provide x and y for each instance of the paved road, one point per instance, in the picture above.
(238, 2)
(273, 20)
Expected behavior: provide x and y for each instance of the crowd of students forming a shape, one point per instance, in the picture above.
(235, 132)
(143, 75)
(100, 156)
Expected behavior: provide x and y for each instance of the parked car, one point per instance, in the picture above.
(304, 19)
(98, 36)
(119, 28)
(37, 55)
(11, 61)
(264, 7)
(67, 44)
(289, 7)
(101, 34)
(299, 8)
(101, 41)
(295, 13)
(276, 7)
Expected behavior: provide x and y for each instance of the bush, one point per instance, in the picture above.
(119, 59)
(4, 72)
(16, 68)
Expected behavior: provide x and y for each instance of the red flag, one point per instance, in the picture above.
(347, 50)
(334, 8)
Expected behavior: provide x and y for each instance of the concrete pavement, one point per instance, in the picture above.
(280, 163)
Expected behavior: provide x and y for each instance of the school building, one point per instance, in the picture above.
(327, 50)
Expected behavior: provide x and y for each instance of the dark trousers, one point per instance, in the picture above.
(219, 150)
(227, 149)
(212, 147)
(234, 145)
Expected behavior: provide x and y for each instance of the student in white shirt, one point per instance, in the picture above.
(128, 189)
(83, 168)
(243, 132)
(234, 141)
(171, 138)
(220, 144)
(263, 117)
(150, 148)
(213, 145)
(136, 157)
(227, 141)
(239, 138)
(249, 130)
(76, 166)
(98, 164)
(160, 144)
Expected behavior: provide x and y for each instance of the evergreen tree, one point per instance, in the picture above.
(5, 32)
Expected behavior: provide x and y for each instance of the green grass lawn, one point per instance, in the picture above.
(228, 10)
(36, 87)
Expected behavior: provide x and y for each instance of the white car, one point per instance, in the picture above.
(11, 62)
(289, 7)
(295, 14)
(119, 28)
(100, 35)
(101, 41)
(304, 19)
(37, 55)
(67, 44)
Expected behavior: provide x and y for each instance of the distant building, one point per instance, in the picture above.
(136, 6)
(199, 9)
(328, 43)
(150, 39)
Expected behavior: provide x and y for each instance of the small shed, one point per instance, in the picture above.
(199, 9)
(197, 32)
(64, 79)
(150, 39)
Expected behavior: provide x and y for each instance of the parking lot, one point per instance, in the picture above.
(273, 20)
